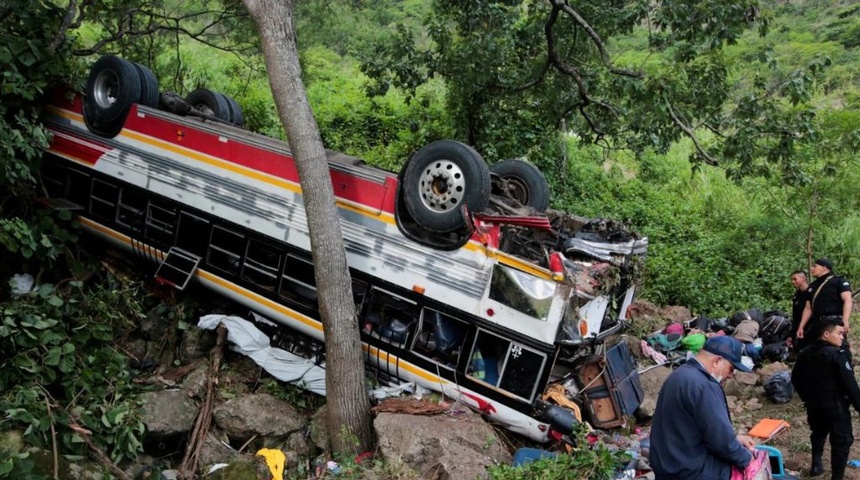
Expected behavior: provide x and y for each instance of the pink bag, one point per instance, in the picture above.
(758, 468)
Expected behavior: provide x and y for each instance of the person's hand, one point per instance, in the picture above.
(800, 334)
(747, 441)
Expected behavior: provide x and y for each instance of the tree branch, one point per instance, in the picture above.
(598, 42)
(204, 418)
(691, 134)
(60, 37)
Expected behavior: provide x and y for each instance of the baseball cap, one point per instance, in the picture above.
(824, 262)
(728, 348)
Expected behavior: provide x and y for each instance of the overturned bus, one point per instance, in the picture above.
(453, 263)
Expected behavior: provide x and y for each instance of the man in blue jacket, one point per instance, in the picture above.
(692, 437)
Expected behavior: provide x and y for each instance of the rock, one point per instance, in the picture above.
(298, 444)
(440, 446)
(753, 404)
(195, 383)
(745, 378)
(634, 344)
(319, 432)
(646, 408)
(154, 326)
(652, 380)
(168, 412)
(196, 343)
(768, 370)
(214, 450)
(676, 314)
(737, 389)
(259, 414)
(642, 309)
(136, 349)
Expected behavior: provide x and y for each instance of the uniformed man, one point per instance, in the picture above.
(798, 303)
(829, 300)
(824, 380)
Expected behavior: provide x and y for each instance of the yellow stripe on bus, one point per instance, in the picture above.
(315, 324)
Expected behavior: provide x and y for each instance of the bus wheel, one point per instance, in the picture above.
(210, 103)
(113, 85)
(148, 86)
(440, 179)
(523, 182)
(236, 116)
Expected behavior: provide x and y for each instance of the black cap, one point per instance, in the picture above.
(824, 262)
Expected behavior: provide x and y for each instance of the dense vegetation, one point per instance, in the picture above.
(729, 216)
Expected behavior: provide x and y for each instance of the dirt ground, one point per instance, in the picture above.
(793, 442)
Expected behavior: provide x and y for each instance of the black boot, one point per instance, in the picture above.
(817, 442)
(817, 467)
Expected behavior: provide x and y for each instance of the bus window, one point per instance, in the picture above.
(440, 338)
(193, 234)
(298, 283)
(389, 317)
(262, 264)
(103, 200)
(521, 371)
(505, 364)
(132, 206)
(521, 291)
(79, 187)
(225, 250)
(160, 222)
(54, 180)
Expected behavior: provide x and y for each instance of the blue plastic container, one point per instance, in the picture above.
(776, 465)
(524, 456)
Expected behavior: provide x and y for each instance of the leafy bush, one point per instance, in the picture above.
(581, 464)
(61, 373)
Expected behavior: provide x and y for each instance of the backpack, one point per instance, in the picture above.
(775, 327)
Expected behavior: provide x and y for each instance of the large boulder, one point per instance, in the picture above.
(319, 432)
(440, 447)
(168, 412)
(270, 420)
(676, 314)
(652, 381)
(643, 309)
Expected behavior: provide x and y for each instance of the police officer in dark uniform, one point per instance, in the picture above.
(798, 303)
(829, 300)
(824, 380)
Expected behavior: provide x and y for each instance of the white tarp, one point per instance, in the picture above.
(248, 340)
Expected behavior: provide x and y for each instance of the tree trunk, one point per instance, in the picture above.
(349, 419)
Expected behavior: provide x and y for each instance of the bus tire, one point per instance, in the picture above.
(440, 179)
(113, 85)
(525, 183)
(236, 116)
(209, 102)
(107, 130)
(149, 94)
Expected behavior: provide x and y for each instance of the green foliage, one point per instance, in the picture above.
(59, 369)
(44, 238)
(33, 56)
(581, 464)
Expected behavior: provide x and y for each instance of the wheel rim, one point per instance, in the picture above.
(518, 190)
(106, 88)
(442, 186)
